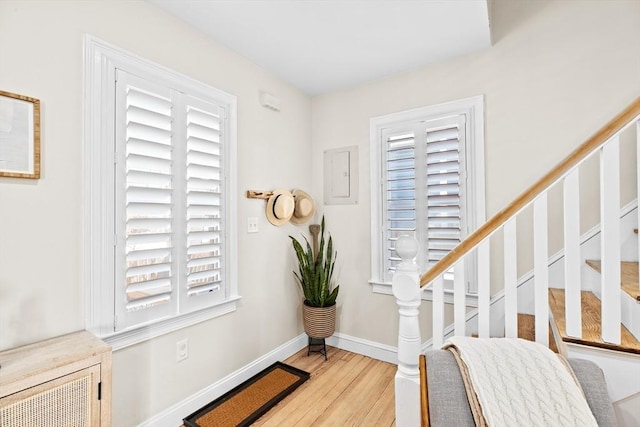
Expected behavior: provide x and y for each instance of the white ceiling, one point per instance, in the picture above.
(323, 45)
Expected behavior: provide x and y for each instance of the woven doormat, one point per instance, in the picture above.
(250, 400)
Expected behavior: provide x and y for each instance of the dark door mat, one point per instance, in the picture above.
(250, 400)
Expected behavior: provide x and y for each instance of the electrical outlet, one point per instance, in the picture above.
(252, 224)
(182, 350)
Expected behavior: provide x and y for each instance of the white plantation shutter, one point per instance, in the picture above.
(444, 171)
(145, 221)
(170, 245)
(401, 191)
(205, 222)
(424, 185)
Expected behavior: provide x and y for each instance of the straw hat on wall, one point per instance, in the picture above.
(304, 207)
(280, 207)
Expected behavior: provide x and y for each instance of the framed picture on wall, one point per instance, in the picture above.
(19, 136)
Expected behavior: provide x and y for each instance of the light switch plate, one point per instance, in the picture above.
(182, 350)
(252, 224)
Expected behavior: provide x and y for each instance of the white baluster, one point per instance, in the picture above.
(406, 289)
(510, 280)
(459, 298)
(572, 264)
(541, 269)
(484, 290)
(438, 312)
(610, 240)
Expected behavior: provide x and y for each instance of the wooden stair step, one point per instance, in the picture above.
(527, 330)
(591, 323)
(628, 276)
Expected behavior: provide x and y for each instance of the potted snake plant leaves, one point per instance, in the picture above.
(315, 274)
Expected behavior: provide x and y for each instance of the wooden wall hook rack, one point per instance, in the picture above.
(253, 194)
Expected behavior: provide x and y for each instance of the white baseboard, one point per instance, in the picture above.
(173, 416)
(367, 348)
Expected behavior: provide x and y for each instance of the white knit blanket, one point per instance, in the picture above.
(519, 383)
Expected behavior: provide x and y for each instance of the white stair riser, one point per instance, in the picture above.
(631, 315)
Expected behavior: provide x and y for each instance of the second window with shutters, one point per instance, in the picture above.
(425, 175)
(425, 182)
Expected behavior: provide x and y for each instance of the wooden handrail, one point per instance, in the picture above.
(579, 154)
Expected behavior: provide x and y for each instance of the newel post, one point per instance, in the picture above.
(406, 289)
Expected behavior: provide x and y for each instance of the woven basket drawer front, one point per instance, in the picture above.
(67, 401)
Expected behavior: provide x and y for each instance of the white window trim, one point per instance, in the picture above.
(100, 61)
(473, 107)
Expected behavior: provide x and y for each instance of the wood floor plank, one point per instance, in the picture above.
(339, 379)
(383, 411)
(332, 392)
(362, 405)
(355, 403)
(311, 363)
(591, 323)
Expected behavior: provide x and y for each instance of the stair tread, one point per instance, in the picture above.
(628, 276)
(527, 330)
(591, 323)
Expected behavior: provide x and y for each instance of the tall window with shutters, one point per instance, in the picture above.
(425, 173)
(424, 183)
(167, 201)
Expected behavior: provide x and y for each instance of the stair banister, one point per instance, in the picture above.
(406, 289)
(407, 283)
(494, 223)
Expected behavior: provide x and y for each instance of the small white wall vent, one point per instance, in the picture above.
(270, 101)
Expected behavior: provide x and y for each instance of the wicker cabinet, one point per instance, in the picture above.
(64, 381)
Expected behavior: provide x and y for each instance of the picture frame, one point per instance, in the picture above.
(19, 136)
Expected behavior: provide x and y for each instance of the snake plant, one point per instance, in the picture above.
(315, 271)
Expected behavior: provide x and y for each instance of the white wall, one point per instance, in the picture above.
(557, 72)
(41, 222)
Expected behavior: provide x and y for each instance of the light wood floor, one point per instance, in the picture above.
(347, 390)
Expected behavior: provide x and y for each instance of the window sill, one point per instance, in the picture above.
(143, 333)
(427, 293)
